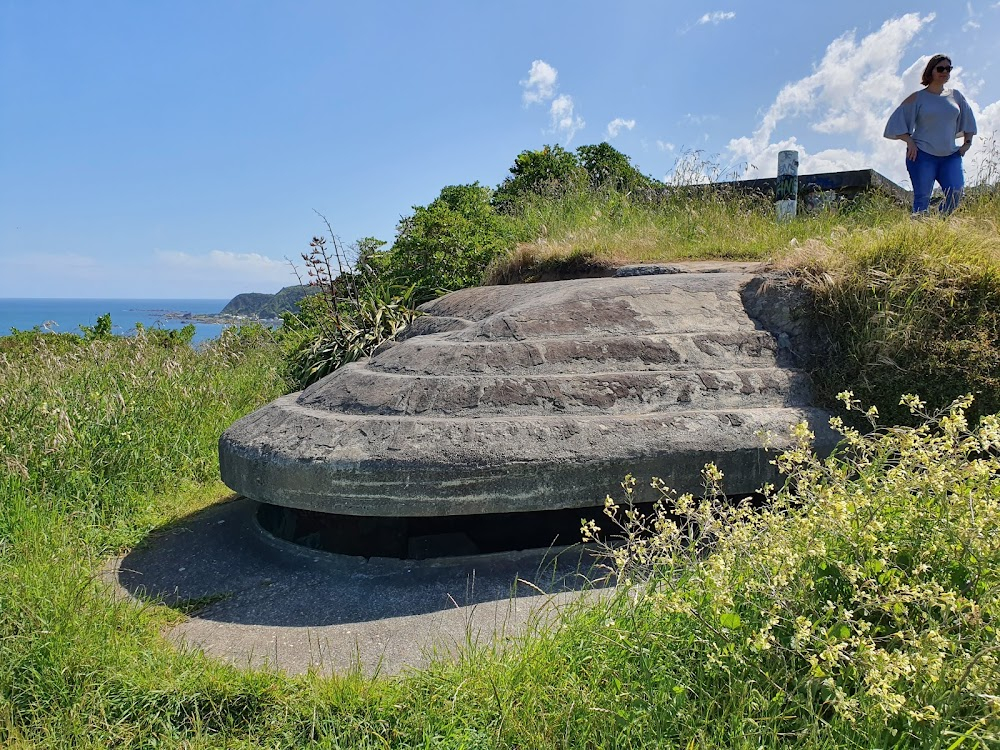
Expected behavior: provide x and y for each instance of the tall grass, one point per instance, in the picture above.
(697, 216)
(684, 222)
(910, 307)
(859, 603)
(89, 429)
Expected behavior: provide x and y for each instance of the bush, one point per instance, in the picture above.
(355, 310)
(168, 337)
(100, 330)
(915, 307)
(609, 169)
(448, 244)
(861, 600)
(551, 171)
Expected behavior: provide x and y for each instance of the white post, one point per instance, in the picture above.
(786, 187)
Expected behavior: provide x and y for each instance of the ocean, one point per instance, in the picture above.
(67, 315)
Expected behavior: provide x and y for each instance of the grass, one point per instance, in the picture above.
(103, 441)
(855, 604)
(909, 307)
(694, 222)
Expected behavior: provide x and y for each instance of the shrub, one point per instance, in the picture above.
(355, 310)
(913, 307)
(100, 330)
(862, 598)
(609, 169)
(550, 171)
(168, 337)
(448, 244)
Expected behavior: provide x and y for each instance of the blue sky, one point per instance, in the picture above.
(182, 149)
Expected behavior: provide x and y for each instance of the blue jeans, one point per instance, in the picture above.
(927, 169)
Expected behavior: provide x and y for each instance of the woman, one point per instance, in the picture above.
(929, 121)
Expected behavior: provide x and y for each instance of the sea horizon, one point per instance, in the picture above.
(67, 314)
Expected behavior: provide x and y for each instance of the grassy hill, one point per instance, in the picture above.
(858, 609)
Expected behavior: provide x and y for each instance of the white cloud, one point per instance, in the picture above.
(616, 125)
(157, 274)
(982, 159)
(45, 274)
(247, 272)
(691, 119)
(716, 17)
(971, 24)
(73, 262)
(665, 146)
(540, 86)
(827, 160)
(564, 120)
(849, 95)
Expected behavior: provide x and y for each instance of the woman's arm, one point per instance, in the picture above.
(966, 122)
(901, 124)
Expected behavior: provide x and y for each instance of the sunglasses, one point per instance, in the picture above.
(943, 68)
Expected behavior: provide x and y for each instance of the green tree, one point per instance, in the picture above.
(100, 330)
(609, 168)
(549, 171)
(447, 244)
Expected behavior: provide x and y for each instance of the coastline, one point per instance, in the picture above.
(219, 318)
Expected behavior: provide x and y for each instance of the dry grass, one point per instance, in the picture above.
(588, 230)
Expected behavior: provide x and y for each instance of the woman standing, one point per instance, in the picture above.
(929, 121)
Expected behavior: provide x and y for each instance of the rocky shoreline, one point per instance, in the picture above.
(220, 318)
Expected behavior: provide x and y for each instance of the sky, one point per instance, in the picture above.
(192, 148)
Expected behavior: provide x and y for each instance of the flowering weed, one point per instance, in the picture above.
(863, 598)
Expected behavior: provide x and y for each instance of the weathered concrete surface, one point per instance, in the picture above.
(539, 396)
(260, 602)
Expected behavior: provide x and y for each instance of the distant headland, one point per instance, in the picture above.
(252, 306)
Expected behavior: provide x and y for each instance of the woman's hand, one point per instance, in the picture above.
(911, 147)
(964, 148)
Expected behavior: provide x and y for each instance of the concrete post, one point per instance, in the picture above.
(786, 188)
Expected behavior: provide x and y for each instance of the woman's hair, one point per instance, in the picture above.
(928, 74)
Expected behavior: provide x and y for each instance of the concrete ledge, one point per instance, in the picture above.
(847, 184)
(541, 397)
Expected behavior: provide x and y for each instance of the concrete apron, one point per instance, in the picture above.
(256, 601)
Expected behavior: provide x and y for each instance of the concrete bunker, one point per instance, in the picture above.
(505, 412)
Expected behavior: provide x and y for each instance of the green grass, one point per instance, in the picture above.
(910, 307)
(103, 441)
(694, 222)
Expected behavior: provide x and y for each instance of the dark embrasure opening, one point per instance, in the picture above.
(421, 538)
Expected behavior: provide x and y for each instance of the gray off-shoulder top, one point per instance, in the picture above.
(933, 121)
